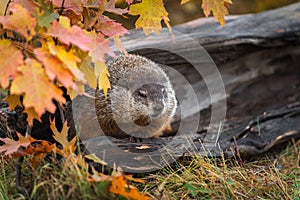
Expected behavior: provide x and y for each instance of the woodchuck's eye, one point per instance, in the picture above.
(164, 92)
(143, 93)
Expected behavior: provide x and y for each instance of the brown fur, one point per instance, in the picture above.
(141, 99)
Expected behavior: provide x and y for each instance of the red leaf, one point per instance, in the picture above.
(74, 5)
(67, 34)
(110, 7)
(29, 5)
(102, 48)
(110, 28)
(12, 146)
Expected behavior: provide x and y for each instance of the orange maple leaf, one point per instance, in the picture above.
(67, 34)
(13, 101)
(217, 7)
(31, 115)
(54, 67)
(39, 91)
(10, 60)
(151, 13)
(20, 21)
(119, 186)
(12, 146)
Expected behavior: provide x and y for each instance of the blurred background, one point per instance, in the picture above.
(179, 14)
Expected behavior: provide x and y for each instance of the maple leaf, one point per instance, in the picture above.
(20, 21)
(31, 115)
(68, 58)
(101, 72)
(80, 89)
(110, 28)
(151, 13)
(39, 151)
(74, 5)
(12, 146)
(54, 67)
(62, 138)
(67, 34)
(45, 16)
(119, 186)
(10, 60)
(30, 5)
(100, 50)
(119, 45)
(39, 91)
(100, 47)
(89, 73)
(13, 101)
(217, 7)
(110, 7)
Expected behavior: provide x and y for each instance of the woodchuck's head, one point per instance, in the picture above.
(150, 102)
(141, 97)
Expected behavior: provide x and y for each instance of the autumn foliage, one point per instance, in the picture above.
(43, 44)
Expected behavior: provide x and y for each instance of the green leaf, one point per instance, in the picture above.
(46, 16)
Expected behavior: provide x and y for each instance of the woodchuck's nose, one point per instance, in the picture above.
(157, 110)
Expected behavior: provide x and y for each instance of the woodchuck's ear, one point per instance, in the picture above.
(123, 83)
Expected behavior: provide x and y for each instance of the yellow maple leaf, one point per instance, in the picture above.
(217, 7)
(151, 13)
(102, 73)
(62, 138)
(68, 58)
(39, 91)
(89, 73)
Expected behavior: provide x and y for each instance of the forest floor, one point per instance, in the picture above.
(275, 175)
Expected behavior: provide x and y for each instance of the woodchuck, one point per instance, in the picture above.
(141, 101)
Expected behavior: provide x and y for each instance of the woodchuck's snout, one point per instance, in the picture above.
(152, 98)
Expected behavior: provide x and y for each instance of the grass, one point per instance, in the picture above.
(274, 176)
